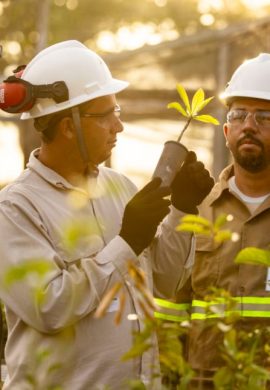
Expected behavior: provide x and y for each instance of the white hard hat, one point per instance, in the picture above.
(251, 79)
(84, 72)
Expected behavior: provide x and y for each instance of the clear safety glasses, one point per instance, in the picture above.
(115, 110)
(238, 117)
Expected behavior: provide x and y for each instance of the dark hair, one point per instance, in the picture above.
(47, 125)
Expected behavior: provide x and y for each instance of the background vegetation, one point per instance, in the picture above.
(25, 25)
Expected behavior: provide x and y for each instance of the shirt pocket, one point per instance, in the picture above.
(206, 266)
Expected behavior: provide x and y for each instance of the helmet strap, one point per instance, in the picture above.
(77, 122)
(92, 168)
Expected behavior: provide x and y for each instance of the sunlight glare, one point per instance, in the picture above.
(207, 19)
(136, 35)
(256, 3)
(59, 3)
(12, 47)
(106, 41)
(161, 3)
(205, 6)
(11, 157)
(72, 4)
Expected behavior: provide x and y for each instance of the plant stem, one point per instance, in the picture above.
(185, 127)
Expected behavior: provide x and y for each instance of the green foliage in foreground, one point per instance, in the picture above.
(246, 355)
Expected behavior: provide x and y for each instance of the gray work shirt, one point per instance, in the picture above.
(35, 210)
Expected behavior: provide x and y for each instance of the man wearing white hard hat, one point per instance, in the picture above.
(243, 192)
(70, 93)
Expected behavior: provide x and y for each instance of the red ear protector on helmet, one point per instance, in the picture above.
(17, 95)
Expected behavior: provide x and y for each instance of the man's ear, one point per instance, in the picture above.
(67, 127)
(225, 132)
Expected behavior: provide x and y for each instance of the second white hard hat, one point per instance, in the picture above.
(251, 79)
(84, 72)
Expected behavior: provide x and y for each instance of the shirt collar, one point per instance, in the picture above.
(50, 175)
(222, 185)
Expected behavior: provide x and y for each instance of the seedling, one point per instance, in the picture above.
(191, 110)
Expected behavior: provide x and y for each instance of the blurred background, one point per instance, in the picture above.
(154, 44)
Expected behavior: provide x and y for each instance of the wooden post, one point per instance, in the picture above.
(42, 23)
(29, 137)
(220, 152)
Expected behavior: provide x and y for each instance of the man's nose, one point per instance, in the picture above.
(250, 122)
(117, 126)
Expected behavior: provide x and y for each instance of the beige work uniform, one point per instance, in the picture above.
(34, 210)
(215, 266)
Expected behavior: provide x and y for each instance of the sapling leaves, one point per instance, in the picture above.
(202, 226)
(206, 119)
(191, 110)
(252, 255)
(178, 107)
(183, 95)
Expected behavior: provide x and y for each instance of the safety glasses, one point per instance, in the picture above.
(115, 110)
(239, 116)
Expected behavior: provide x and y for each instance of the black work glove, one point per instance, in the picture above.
(191, 185)
(143, 213)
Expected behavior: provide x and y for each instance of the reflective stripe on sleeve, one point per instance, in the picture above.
(170, 311)
(244, 307)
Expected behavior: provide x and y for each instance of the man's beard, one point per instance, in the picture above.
(251, 162)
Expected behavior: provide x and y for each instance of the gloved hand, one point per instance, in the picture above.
(143, 213)
(191, 185)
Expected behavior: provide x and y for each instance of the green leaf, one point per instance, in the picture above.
(75, 232)
(196, 219)
(192, 228)
(135, 385)
(223, 377)
(178, 107)
(43, 354)
(136, 350)
(204, 103)
(197, 100)
(223, 235)
(183, 95)
(206, 119)
(230, 341)
(252, 255)
(220, 221)
(38, 267)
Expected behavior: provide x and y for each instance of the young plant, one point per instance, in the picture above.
(191, 110)
(202, 226)
(253, 255)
